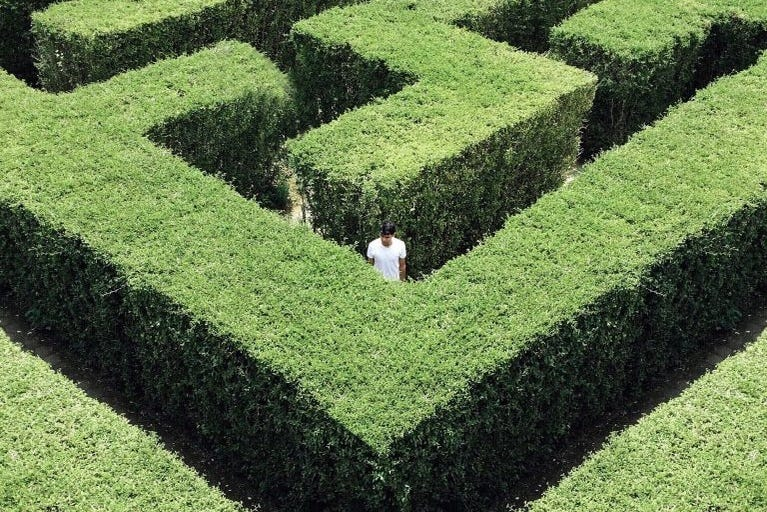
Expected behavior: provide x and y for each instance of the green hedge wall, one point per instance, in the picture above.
(239, 141)
(242, 141)
(649, 55)
(521, 23)
(329, 385)
(64, 451)
(595, 289)
(96, 221)
(86, 41)
(478, 132)
(704, 450)
(83, 41)
(16, 43)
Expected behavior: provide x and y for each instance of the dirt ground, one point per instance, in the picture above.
(196, 454)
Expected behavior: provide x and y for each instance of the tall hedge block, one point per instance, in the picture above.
(61, 450)
(650, 55)
(704, 450)
(474, 131)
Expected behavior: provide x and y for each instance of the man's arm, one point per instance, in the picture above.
(402, 270)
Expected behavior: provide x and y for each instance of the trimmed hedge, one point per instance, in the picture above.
(240, 140)
(82, 41)
(16, 43)
(64, 451)
(110, 240)
(87, 40)
(521, 23)
(705, 450)
(289, 352)
(651, 54)
(478, 132)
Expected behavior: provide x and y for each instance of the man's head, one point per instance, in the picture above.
(387, 232)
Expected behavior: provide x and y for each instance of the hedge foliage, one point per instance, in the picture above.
(145, 264)
(521, 23)
(61, 450)
(82, 41)
(16, 43)
(704, 450)
(242, 139)
(477, 131)
(649, 55)
(90, 40)
(292, 354)
(87, 40)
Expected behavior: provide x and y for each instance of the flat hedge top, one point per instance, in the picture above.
(88, 18)
(466, 89)
(380, 357)
(633, 29)
(61, 450)
(705, 450)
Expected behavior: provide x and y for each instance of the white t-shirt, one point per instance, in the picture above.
(386, 259)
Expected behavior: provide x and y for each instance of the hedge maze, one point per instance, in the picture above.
(128, 223)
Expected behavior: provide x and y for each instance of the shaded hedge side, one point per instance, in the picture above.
(521, 23)
(650, 55)
(16, 44)
(240, 142)
(702, 451)
(481, 132)
(64, 451)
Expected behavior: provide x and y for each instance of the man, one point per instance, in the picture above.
(387, 253)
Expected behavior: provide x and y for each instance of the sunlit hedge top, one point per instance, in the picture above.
(638, 30)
